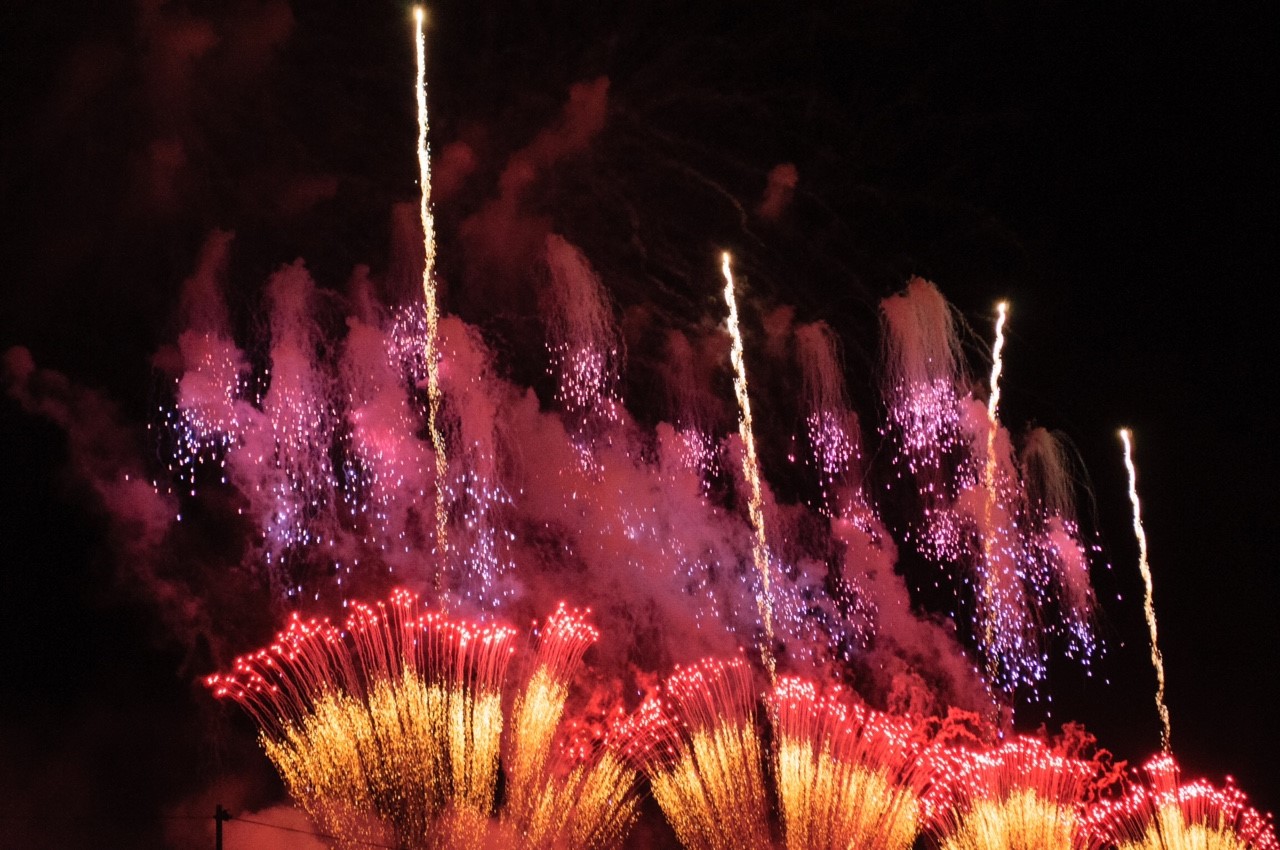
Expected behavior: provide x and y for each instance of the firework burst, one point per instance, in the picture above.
(995, 520)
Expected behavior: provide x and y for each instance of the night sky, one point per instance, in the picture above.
(1108, 172)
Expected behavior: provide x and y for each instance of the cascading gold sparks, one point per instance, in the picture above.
(1019, 795)
(846, 776)
(429, 294)
(704, 756)
(989, 481)
(750, 470)
(588, 805)
(1148, 605)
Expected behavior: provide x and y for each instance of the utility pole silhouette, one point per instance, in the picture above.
(220, 815)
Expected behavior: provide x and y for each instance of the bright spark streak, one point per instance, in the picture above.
(429, 290)
(750, 469)
(1148, 603)
(997, 366)
(993, 407)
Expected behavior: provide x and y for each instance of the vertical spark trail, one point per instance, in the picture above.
(750, 469)
(993, 403)
(1148, 603)
(429, 292)
(989, 480)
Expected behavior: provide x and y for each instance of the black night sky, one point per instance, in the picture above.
(1108, 169)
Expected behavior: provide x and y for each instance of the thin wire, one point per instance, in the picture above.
(313, 834)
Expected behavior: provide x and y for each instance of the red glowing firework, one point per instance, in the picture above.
(1164, 814)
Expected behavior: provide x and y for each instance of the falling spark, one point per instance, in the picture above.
(989, 479)
(750, 469)
(429, 292)
(1148, 602)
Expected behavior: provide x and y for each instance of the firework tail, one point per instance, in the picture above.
(429, 294)
(989, 483)
(750, 469)
(1148, 604)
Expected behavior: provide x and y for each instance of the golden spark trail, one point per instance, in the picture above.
(1157, 660)
(750, 470)
(993, 403)
(989, 480)
(429, 293)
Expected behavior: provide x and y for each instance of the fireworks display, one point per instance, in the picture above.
(392, 727)
(817, 612)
